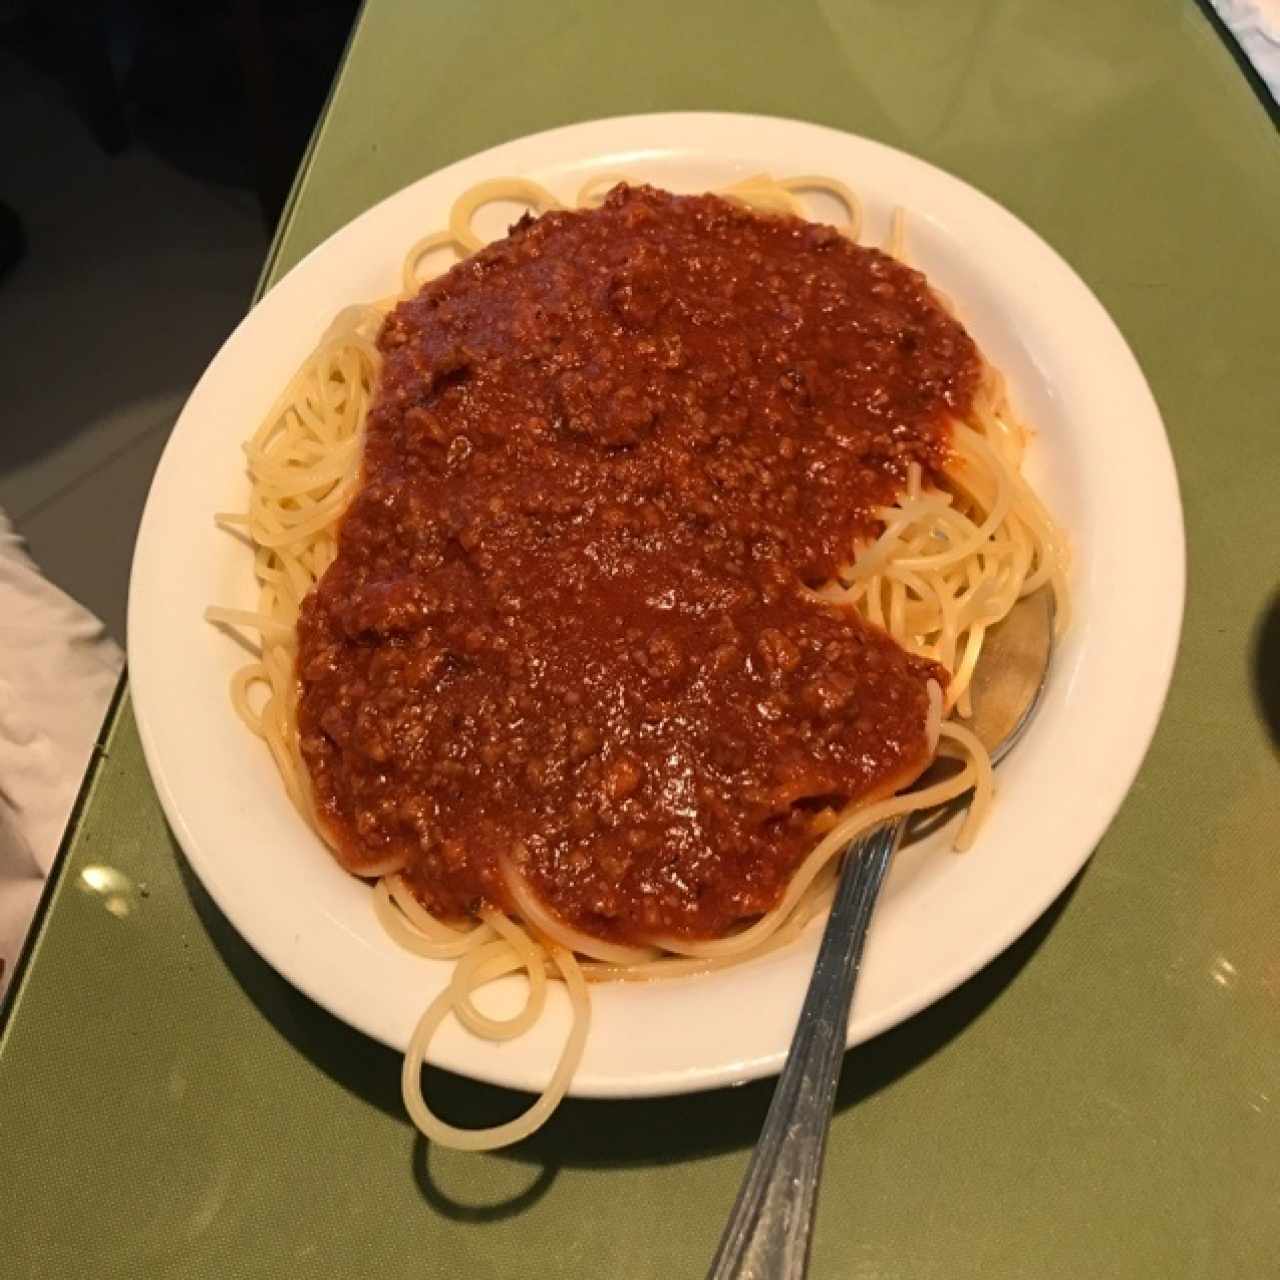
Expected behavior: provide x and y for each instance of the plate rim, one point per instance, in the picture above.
(680, 131)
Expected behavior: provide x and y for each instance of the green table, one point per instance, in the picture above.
(1103, 1100)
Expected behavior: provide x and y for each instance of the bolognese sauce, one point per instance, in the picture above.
(569, 625)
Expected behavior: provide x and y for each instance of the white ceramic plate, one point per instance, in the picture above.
(942, 916)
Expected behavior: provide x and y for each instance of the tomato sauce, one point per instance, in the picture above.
(568, 623)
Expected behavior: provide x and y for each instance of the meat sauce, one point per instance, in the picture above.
(568, 622)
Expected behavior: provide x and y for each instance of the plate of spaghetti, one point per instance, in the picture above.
(561, 564)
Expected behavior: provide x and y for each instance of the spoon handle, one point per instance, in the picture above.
(768, 1233)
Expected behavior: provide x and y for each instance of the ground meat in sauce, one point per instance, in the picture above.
(567, 622)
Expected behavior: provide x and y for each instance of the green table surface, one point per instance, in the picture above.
(1103, 1100)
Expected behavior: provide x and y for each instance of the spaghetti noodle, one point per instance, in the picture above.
(946, 563)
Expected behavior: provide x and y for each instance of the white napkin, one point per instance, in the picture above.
(1256, 26)
(58, 669)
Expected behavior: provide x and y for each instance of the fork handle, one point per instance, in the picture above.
(770, 1228)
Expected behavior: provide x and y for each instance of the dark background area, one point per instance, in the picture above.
(149, 148)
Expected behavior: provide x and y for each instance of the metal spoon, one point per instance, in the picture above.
(768, 1233)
